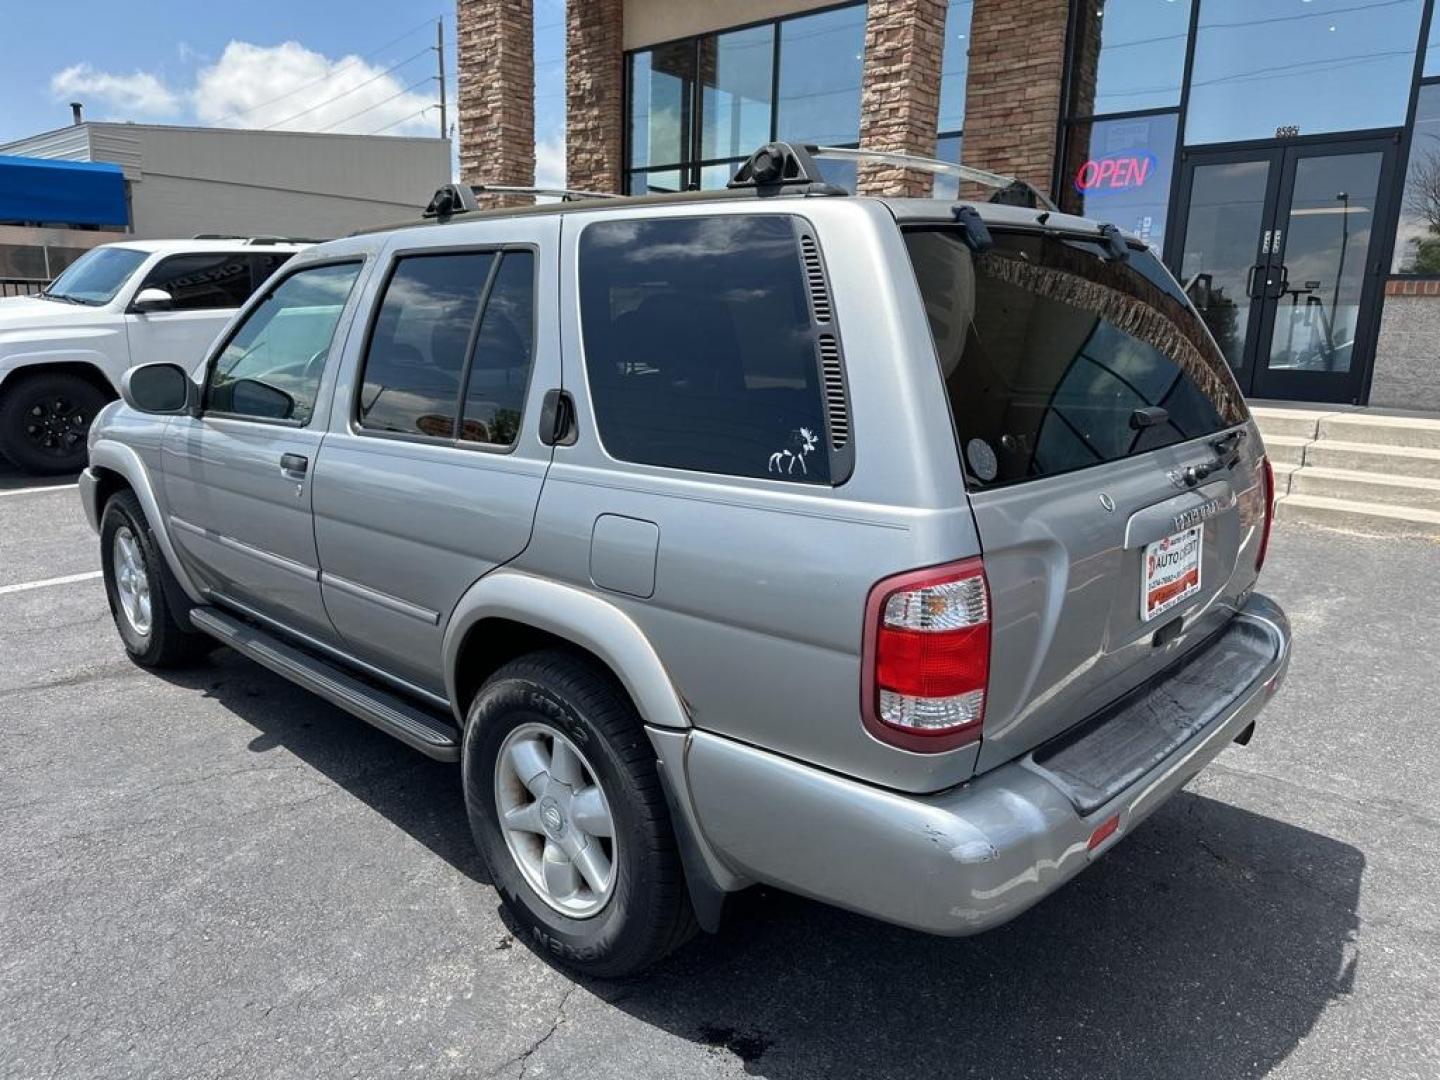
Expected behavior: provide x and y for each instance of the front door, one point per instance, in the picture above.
(1279, 250)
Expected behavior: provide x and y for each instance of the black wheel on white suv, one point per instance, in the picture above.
(45, 420)
(565, 802)
(133, 569)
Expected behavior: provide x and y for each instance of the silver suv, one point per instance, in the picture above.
(899, 553)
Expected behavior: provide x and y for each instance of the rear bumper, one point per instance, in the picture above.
(968, 859)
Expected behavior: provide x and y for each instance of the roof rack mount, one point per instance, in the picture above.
(455, 199)
(1007, 188)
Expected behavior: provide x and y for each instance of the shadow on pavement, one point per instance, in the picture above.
(12, 479)
(1207, 944)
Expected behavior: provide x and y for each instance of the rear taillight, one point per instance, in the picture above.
(927, 657)
(1268, 492)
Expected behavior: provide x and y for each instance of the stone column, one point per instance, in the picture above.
(900, 92)
(1013, 93)
(594, 94)
(496, 44)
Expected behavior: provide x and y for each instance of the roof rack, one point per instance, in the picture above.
(259, 239)
(455, 199)
(783, 168)
(1008, 190)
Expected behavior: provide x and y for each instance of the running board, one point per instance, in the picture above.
(393, 715)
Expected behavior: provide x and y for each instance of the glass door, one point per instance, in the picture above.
(1276, 253)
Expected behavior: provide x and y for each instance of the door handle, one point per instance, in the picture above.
(294, 464)
(1280, 284)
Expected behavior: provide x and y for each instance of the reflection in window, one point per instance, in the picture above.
(735, 70)
(500, 369)
(1129, 55)
(662, 88)
(1417, 243)
(821, 57)
(947, 148)
(955, 65)
(1331, 65)
(1432, 48)
(1119, 171)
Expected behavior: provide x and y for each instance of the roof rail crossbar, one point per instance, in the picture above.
(563, 194)
(1007, 188)
(782, 168)
(263, 239)
(455, 199)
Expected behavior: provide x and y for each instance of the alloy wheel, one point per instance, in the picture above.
(132, 581)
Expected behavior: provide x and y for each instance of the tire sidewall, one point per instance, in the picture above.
(120, 511)
(499, 708)
(14, 406)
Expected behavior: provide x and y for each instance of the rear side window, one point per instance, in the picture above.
(203, 282)
(700, 347)
(1056, 358)
(447, 322)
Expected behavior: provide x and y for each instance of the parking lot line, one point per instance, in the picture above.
(38, 490)
(68, 579)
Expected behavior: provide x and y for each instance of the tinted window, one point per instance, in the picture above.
(662, 91)
(201, 282)
(1331, 65)
(1129, 55)
(699, 346)
(1417, 243)
(821, 57)
(96, 276)
(272, 365)
(416, 355)
(504, 348)
(735, 71)
(1048, 350)
(262, 266)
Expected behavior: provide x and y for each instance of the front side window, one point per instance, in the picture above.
(95, 277)
(1049, 349)
(699, 346)
(272, 365)
(203, 282)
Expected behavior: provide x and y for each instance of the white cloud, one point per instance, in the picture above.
(291, 88)
(550, 162)
(140, 92)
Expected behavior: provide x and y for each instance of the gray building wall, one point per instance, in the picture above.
(1407, 355)
(185, 181)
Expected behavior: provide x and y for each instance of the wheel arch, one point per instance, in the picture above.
(28, 367)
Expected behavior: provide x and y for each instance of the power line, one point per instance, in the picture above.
(403, 119)
(383, 101)
(331, 74)
(347, 93)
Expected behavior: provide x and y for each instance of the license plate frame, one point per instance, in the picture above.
(1170, 571)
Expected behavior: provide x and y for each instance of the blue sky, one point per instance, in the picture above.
(358, 65)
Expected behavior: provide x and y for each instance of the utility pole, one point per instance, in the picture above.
(440, 59)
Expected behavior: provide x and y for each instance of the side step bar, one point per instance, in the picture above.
(393, 715)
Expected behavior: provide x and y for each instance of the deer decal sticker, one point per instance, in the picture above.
(802, 442)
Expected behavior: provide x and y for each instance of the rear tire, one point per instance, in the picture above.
(134, 585)
(45, 421)
(597, 923)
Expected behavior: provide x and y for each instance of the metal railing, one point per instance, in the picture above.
(21, 286)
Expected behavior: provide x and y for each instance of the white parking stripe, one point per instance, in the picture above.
(68, 579)
(38, 490)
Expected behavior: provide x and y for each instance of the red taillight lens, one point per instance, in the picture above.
(927, 657)
(1269, 494)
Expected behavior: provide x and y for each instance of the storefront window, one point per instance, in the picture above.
(1417, 243)
(1119, 171)
(955, 65)
(662, 90)
(1432, 47)
(1129, 55)
(735, 71)
(947, 148)
(820, 64)
(1266, 67)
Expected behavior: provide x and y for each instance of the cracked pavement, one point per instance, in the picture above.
(215, 874)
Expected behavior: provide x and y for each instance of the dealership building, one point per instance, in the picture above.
(1282, 155)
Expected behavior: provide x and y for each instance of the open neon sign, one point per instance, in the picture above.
(1114, 174)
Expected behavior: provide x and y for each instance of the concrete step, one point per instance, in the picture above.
(1382, 430)
(1286, 449)
(1416, 493)
(1284, 471)
(1370, 519)
(1369, 458)
(1297, 423)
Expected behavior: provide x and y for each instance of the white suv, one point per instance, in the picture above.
(62, 352)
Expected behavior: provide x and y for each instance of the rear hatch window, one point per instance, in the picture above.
(1114, 488)
(1056, 358)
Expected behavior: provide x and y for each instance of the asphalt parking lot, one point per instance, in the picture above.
(212, 873)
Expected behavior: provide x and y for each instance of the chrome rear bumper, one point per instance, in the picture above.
(968, 859)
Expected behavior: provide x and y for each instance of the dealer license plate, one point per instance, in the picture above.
(1170, 572)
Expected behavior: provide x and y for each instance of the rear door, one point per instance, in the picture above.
(1083, 388)
(433, 465)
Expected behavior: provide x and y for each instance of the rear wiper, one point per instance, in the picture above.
(1227, 452)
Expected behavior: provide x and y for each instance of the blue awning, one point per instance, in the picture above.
(65, 192)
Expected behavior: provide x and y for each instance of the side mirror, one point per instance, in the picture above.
(152, 299)
(161, 389)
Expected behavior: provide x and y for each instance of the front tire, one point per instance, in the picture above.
(133, 568)
(565, 802)
(45, 421)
